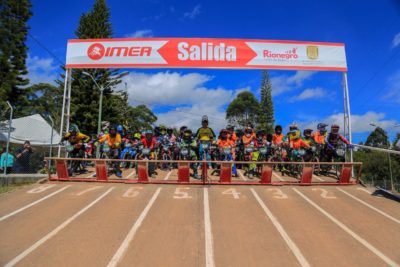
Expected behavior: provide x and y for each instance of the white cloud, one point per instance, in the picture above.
(194, 13)
(186, 93)
(393, 85)
(359, 123)
(141, 34)
(41, 70)
(314, 93)
(283, 83)
(396, 40)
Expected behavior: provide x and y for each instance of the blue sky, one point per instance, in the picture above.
(369, 29)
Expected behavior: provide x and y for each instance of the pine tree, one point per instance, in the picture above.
(14, 15)
(266, 116)
(85, 94)
(378, 138)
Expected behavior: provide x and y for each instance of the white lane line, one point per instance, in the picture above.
(128, 239)
(369, 206)
(55, 231)
(88, 190)
(91, 175)
(318, 178)
(278, 176)
(293, 247)
(131, 174)
(168, 175)
(33, 203)
(364, 190)
(207, 231)
(241, 175)
(373, 249)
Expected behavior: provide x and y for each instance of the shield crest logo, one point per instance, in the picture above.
(312, 52)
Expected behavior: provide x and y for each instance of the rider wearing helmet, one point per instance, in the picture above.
(181, 131)
(224, 141)
(113, 139)
(77, 140)
(307, 137)
(294, 138)
(120, 130)
(170, 134)
(278, 136)
(205, 133)
(231, 133)
(248, 138)
(319, 136)
(149, 140)
(205, 136)
(334, 136)
(187, 141)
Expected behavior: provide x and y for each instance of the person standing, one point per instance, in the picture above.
(23, 158)
(6, 161)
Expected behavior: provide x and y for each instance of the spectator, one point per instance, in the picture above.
(6, 161)
(23, 158)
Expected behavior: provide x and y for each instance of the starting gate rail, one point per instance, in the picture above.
(225, 172)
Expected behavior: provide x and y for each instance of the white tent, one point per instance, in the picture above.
(32, 128)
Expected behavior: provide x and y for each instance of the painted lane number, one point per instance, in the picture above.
(41, 189)
(180, 193)
(132, 192)
(278, 194)
(233, 192)
(324, 193)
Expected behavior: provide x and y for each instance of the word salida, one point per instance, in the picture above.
(206, 52)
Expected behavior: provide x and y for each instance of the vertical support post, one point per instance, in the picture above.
(68, 115)
(347, 113)
(183, 172)
(266, 173)
(8, 138)
(62, 169)
(306, 175)
(101, 170)
(143, 170)
(67, 73)
(51, 141)
(226, 173)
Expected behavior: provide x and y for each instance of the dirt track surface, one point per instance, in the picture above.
(99, 224)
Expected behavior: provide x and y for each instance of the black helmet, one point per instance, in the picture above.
(182, 129)
(187, 133)
(112, 130)
(278, 128)
(170, 130)
(261, 133)
(204, 119)
(230, 128)
(307, 133)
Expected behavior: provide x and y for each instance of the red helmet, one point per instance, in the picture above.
(335, 129)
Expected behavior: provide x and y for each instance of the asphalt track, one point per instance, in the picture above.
(104, 224)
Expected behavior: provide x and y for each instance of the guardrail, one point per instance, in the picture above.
(265, 169)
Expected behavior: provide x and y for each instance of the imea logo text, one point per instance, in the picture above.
(97, 51)
(206, 52)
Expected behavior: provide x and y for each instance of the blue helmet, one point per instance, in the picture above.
(120, 129)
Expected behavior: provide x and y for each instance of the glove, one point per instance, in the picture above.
(329, 146)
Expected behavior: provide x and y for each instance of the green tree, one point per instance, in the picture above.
(85, 94)
(243, 110)
(378, 138)
(266, 116)
(40, 104)
(14, 15)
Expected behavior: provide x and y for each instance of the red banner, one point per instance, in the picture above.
(205, 53)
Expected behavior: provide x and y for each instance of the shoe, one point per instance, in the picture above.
(118, 174)
(153, 175)
(250, 176)
(196, 176)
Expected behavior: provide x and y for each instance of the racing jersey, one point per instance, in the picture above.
(277, 139)
(149, 144)
(205, 134)
(298, 143)
(114, 142)
(247, 140)
(309, 141)
(318, 137)
(333, 140)
(77, 139)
